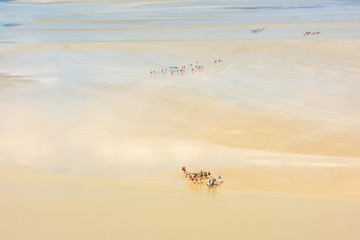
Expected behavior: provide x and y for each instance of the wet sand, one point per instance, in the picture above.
(91, 145)
(282, 96)
(278, 120)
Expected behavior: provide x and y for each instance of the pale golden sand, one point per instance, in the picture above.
(311, 195)
(42, 205)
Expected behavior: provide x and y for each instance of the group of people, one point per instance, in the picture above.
(311, 33)
(178, 70)
(200, 177)
(257, 30)
(212, 182)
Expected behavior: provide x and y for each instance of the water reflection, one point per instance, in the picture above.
(201, 188)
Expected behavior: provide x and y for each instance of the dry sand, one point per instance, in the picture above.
(43, 205)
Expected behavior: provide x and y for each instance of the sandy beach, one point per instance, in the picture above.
(94, 131)
(52, 205)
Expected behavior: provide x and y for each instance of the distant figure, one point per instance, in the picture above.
(220, 179)
(214, 183)
(209, 184)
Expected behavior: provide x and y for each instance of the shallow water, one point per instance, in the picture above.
(164, 20)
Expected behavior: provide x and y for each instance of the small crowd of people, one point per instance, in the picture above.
(178, 70)
(311, 33)
(200, 177)
(257, 30)
(212, 183)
